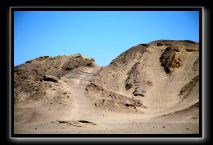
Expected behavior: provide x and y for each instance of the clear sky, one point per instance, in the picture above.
(102, 35)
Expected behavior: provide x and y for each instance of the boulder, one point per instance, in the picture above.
(50, 78)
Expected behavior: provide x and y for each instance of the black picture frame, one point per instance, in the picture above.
(94, 6)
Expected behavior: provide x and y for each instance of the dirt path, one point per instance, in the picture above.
(81, 104)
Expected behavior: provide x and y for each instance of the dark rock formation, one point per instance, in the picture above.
(50, 78)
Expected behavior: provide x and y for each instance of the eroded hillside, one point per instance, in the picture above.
(146, 82)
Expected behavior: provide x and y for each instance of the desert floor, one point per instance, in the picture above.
(77, 115)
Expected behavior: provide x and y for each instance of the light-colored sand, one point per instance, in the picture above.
(44, 116)
(94, 100)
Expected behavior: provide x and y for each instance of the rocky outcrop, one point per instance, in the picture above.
(50, 78)
(28, 77)
(155, 76)
(155, 72)
(189, 86)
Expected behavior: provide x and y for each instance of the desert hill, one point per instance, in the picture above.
(149, 85)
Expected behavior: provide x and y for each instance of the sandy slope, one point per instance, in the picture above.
(94, 99)
(42, 120)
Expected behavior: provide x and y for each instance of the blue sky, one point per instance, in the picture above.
(102, 35)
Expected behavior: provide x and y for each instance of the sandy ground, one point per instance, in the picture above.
(75, 114)
(148, 89)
